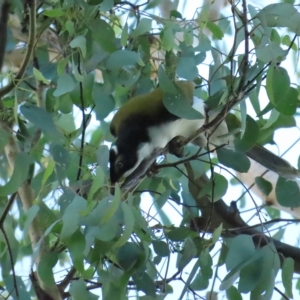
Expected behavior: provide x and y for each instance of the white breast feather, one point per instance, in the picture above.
(163, 134)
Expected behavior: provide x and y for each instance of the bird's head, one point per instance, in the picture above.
(130, 162)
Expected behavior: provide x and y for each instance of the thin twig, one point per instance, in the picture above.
(62, 286)
(281, 293)
(7, 208)
(11, 260)
(83, 124)
(2, 219)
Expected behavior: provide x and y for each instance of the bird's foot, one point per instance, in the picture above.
(176, 146)
(153, 170)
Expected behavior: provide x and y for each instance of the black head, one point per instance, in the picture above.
(121, 160)
(130, 162)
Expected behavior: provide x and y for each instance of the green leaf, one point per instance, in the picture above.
(206, 263)
(264, 185)
(39, 117)
(216, 188)
(103, 34)
(215, 30)
(167, 38)
(145, 284)
(287, 276)
(113, 206)
(20, 174)
(79, 42)
(189, 252)
(187, 68)
(232, 159)
(272, 119)
(200, 282)
(104, 103)
(106, 5)
(280, 15)
(178, 234)
(54, 13)
(94, 2)
(9, 281)
(250, 275)
(48, 172)
(188, 35)
(45, 268)
(175, 14)
(102, 157)
(65, 84)
(270, 52)
(124, 35)
(217, 233)
(39, 76)
(278, 84)
(241, 248)
(106, 231)
(71, 217)
(69, 25)
(60, 155)
(123, 58)
(78, 291)
(166, 84)
(178, 106)
(287, 193)
(249, 138)
(161, 248)
(233, 294)
(4, 138)
(129, 224)
(143, 26)
(288, 104)
(76, 245)
(98, 181)
(286, 40)
(31, 213)
(128, 255)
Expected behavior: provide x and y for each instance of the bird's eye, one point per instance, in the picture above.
(120, 165)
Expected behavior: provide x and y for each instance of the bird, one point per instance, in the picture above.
(144, 128)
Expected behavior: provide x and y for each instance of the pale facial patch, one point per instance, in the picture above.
(144, 151)
(115, 149)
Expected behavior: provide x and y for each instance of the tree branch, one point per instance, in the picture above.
(3, 30)
(233, 224)
(30, 47)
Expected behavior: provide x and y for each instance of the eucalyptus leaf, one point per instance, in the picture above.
(20, 174)
(39, 117)
(287, 275)
(264, 185)
(45, 267)
(65, 84)
(278, 84)
(233, 159)
(122, 58)
(249, 138)
(287, 193)
(216, 188)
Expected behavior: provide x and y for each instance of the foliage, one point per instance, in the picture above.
(84, 59)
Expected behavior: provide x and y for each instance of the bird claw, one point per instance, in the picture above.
(176, 146)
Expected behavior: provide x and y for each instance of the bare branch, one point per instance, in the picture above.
(30, 47)
(3, 30)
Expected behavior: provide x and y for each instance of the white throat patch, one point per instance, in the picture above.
(144, 151)
(115, 149)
